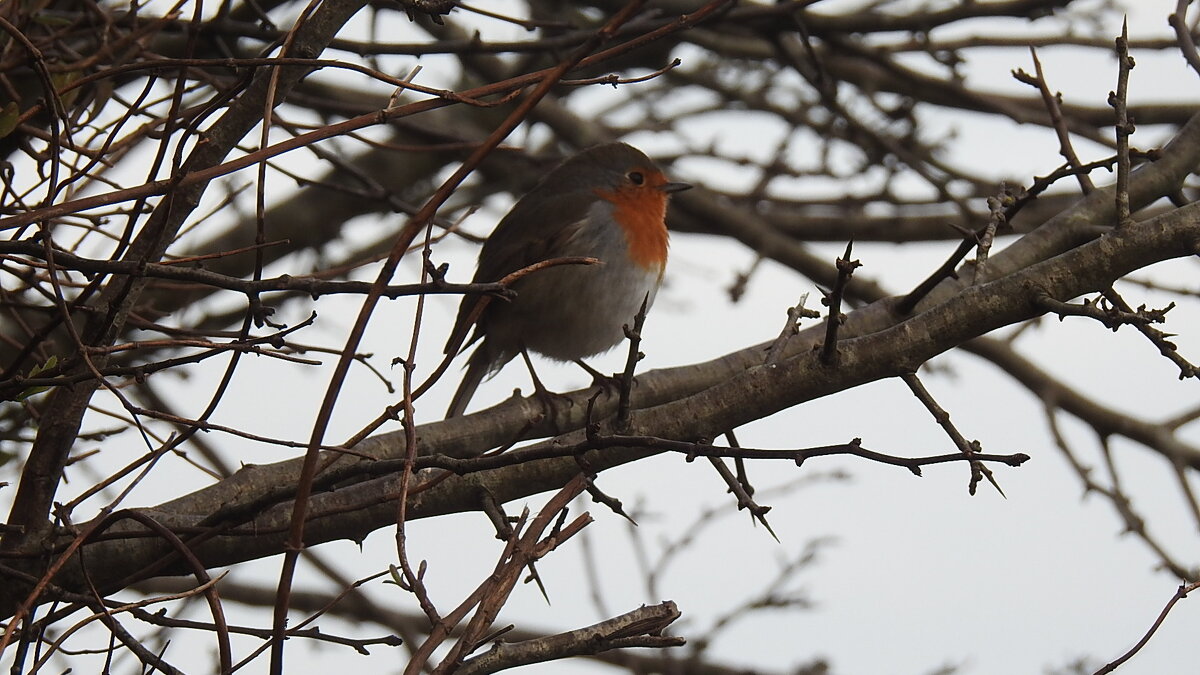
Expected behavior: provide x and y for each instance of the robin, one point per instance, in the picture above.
(607, 202)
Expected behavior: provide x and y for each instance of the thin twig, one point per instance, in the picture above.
(1183, 34)
(1124, 125)
(790, 328)
(1053, 101)
(1180, 594)
(969, 449)
(845, 269)
(634, 335)
(1157, 337)
(744, 500)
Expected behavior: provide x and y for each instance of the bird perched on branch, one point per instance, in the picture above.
(608, 202)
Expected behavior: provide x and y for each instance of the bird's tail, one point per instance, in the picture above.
(477, 369)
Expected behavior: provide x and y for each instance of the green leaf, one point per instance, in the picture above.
(51, 362)
(8, 118)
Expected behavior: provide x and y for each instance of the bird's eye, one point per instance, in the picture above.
(636, 177)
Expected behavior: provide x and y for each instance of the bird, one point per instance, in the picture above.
(607, 202)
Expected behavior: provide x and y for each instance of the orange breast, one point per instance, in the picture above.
(641, 211)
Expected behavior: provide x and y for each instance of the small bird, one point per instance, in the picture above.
(607, 202)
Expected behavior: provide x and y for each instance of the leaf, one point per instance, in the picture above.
(50, 363)
(8, 118)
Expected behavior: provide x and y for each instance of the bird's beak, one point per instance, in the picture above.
(674, 187)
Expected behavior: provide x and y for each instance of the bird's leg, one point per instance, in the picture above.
(610, 383)
(546, 396)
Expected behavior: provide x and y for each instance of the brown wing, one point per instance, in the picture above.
(536, 229)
